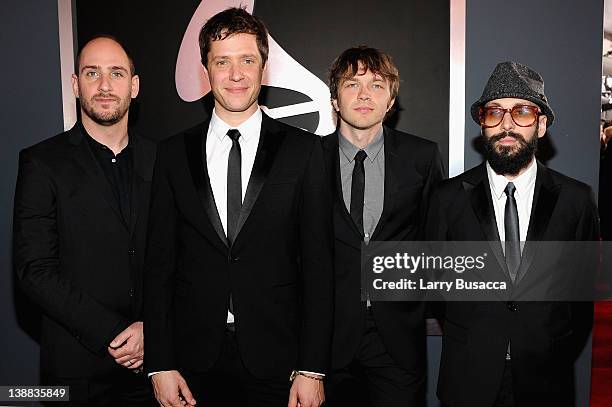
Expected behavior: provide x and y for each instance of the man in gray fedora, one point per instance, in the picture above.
(512, 353)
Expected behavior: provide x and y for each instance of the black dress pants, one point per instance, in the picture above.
(373, 378)
(230, 384)
(122, 388)
(505, 397)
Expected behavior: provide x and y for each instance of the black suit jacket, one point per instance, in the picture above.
(279, 269)
(545, 337)
(74, 255)
(412, 168)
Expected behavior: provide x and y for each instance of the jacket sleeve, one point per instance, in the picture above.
(159, 271)
(36, 261)
(587, 230)
(435, 174)
(435, 229)
(317, 266)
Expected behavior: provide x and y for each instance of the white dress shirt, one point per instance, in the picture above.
(218, 146)
(525, 186)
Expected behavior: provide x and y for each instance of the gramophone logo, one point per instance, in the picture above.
(282, 71)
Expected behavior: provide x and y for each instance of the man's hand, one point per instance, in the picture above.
(171, 389)
(306, 392)
(128, 347)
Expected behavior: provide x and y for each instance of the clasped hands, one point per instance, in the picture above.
(128, 347)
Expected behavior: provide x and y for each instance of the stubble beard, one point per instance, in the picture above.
(107, 118)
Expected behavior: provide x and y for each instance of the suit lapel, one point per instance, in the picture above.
(143, 160)
(482, 204)
(392, 180)
(332, 157)
(270, 139)
(135, 198)
(545, 197)
(86, 160)
(195, 149)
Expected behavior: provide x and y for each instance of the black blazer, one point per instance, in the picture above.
(279, 269)
(545, 337)
(412, 168)
(74, 255)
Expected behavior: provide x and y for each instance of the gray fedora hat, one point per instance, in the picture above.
(513, 80)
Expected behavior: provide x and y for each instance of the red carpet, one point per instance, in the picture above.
(601, 373)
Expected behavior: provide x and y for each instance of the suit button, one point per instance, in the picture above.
(512, 307)
(235, 258)
(131, 292)
(132, 251)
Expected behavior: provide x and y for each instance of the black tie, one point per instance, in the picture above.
(511, 224)
(234, 185)
(357, 190)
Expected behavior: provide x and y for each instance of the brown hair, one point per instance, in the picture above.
(348, 63)
(232, 21)
(108, 37)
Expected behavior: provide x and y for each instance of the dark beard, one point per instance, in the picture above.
(107, 119)
(505, 161)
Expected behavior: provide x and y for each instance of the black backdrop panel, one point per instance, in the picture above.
(415, 33)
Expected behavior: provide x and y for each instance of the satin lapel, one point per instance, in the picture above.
(545, 196)
(87, 161)
(392, 179)
(195, 148)
(270, 139)
(482, 204)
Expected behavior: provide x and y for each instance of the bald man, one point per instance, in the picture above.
(81, 209)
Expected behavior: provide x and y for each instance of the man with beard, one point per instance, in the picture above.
(511, 353)
(81, 208)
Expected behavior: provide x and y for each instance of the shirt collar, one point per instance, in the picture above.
(99, 146)
(248, 128)
(522, 183)
(372, 150)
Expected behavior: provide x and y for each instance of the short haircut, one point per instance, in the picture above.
(234, 20)
(108, 37)
(348, 63)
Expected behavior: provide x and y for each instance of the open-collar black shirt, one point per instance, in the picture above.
(118, 170)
